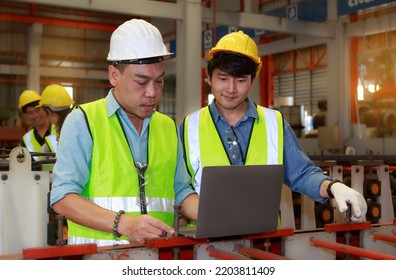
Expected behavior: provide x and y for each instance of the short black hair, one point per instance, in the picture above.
(33, 104)
(233, 64)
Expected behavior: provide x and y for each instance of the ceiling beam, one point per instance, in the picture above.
(271, 23)
(169, 10)
(57, 22)
(136, 7)
(382, 23)
(291, 43)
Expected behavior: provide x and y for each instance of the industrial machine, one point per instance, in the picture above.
(315, 232)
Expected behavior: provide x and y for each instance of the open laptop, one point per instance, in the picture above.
(237, 200)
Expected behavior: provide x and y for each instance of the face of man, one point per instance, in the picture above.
(53, 117)
(36, 116)
(229, 91)
(138, 88)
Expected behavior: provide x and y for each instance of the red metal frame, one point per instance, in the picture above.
(351, 250)
(267, 81)
(174, 247)
(57, 22)
(223, 255)
(347, 233)
(347, 227)
(354, 72)
(259, 254)
(383, 237)
(53, 252)
(270, 241)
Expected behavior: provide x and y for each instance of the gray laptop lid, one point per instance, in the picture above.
(237, 200)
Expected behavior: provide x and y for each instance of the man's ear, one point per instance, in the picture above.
(208, 78)
(114, 75)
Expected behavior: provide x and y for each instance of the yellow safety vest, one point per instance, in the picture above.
(32, 144)
(52, 142)
(114, 180)
(200, 133)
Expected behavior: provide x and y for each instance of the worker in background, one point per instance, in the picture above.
(34, 139)
(117, 157)
(233, 130)
(320, 117)
(58, 103)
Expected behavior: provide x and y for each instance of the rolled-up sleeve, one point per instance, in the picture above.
(301, 174)
(73, 157)
(183, 187)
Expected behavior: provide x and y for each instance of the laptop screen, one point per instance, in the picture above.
(239, 200)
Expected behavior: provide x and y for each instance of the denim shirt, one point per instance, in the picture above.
(300, 173)
(72, 168)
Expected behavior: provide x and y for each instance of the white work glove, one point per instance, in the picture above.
(343, 195)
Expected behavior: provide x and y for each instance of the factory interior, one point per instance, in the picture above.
(328, 66)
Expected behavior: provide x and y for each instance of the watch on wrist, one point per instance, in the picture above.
(328, 189)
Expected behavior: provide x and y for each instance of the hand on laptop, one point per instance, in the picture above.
(344, 195)
(143, 227)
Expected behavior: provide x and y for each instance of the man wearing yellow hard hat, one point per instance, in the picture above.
(233, 130)
(58, 103)
(34, 139)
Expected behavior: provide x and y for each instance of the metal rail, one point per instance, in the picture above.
(383, 237)
(223, 255)
(352, 250)
(259, 254)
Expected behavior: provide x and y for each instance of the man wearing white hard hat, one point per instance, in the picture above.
(120, 168)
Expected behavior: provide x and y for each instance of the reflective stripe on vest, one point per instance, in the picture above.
(114, 182)
(32, 144)
(52, 142)
(99, 242)
(200, 131)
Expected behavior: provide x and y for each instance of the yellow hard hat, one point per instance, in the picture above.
(56, 98)
(240, 43)
(28, 96)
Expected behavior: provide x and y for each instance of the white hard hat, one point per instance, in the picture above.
(137, 42)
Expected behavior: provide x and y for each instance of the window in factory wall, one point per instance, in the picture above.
(302, 76)
(308, 92)
(69, 90)
(377, 85)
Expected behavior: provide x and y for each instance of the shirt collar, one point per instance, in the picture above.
(112, 104)
(113, 107)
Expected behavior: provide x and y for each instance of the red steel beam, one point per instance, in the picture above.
(169, 242)
(382, 237)
(281, 232)
(223, 255)
(347, 226)
(259, 254)
(59, 251)
(352, 250)
(116, 247)
(58, 22)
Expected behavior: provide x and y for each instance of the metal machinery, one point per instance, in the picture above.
(320, 233)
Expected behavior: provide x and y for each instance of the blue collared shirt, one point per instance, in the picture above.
(73, 158)
(300, 173)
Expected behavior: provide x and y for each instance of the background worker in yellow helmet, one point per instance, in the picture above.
(34, 139)
(57, 101)
(119, 169)
(233, 130)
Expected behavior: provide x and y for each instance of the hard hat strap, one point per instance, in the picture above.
(149, 60)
